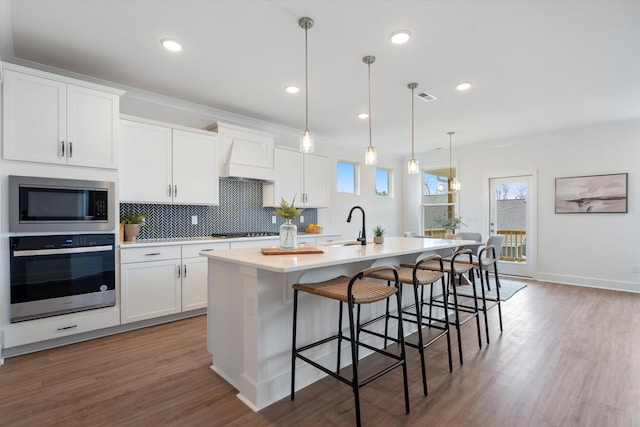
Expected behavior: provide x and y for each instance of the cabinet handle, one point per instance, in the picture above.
(152, 254)
(179, 271)
(169, 190)
(175, 191)
(64, 328)
(185, 270)
(62, 146)
(304, 197)
(70, 149)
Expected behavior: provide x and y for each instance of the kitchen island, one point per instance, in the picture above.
(250, 309)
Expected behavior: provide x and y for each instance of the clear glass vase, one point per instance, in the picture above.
(288, 235)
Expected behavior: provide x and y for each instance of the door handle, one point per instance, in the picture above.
(179, 271)
(175, 191)
(169, 190)
(62, 146)
(185, 270)
(70, 149)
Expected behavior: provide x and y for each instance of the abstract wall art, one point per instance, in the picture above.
(592, 194)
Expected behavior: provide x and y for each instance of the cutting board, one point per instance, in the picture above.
(298, 251)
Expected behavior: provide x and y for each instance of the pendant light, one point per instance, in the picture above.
(306, 139)
(413, 164)
(371, 157)
(454, 184)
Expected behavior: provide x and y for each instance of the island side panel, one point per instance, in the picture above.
(225, 322)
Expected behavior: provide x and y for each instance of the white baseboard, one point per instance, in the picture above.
(589, 282)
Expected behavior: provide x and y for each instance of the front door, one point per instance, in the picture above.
(512, 208)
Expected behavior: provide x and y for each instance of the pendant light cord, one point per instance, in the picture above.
(450, 175)
(369, 78)
(306, 79)
(412, 115)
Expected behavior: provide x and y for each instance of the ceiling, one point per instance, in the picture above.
(536, 66)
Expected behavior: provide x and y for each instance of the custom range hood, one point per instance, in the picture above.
(246, 154)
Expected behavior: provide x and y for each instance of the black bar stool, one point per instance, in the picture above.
(419, 278)
(460, 264)
(355, 291)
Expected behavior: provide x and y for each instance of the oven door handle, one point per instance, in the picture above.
(62, 251)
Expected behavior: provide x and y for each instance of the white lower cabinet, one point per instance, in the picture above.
(161, 280)
(33, 331)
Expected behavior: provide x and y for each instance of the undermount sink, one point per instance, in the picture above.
(340, 243)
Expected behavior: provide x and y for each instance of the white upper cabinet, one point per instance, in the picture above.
(145, 163)
(162, 164)
(51, 119)
(301, 175)
(316, 186)
(195, 180)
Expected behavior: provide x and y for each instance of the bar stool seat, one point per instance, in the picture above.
(413, 274)
(355, 292)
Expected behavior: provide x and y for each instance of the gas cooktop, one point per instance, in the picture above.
(245, 234)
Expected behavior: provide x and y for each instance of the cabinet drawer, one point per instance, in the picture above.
(31, 331)
(193, 251)
(152, 253)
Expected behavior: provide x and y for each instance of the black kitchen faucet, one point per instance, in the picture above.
(362, 236)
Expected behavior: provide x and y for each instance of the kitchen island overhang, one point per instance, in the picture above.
(249, 313)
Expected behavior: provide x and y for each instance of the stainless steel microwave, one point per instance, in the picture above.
(51, 204)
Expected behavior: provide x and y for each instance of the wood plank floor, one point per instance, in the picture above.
(569, 356)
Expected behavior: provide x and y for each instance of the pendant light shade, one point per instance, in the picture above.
(454, 184)
(371, 157)
(306, 139)
(413, 166)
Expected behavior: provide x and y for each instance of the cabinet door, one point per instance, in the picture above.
(287, 179)
(34, 118)
(195, 179)
(150, 289)
(92, 127)
(145, 163)
(194, 283)
(316, 186)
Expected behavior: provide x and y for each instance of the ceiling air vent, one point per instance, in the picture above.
(426, 97)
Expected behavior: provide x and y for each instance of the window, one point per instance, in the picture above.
(437, 201)
(383, 182)
(346, 177)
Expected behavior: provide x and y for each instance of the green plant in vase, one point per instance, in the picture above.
(450, 225)
(378, 234)
(288, 230)
(133, 222)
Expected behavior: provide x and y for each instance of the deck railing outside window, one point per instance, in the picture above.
(435, 232)
(514, 247)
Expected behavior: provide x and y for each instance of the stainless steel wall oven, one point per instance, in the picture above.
(60, 274)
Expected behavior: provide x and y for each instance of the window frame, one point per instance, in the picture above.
(389, 172)
(356, 177)
(424, 204)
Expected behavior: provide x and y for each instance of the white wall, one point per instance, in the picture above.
(586, 249)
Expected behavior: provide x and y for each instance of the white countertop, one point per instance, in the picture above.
(210, 239)
(392, 246)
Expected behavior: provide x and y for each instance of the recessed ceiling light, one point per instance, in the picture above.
(292, 88)
(463, 86)
(400, 36)
(363, 116)
(171, 44)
